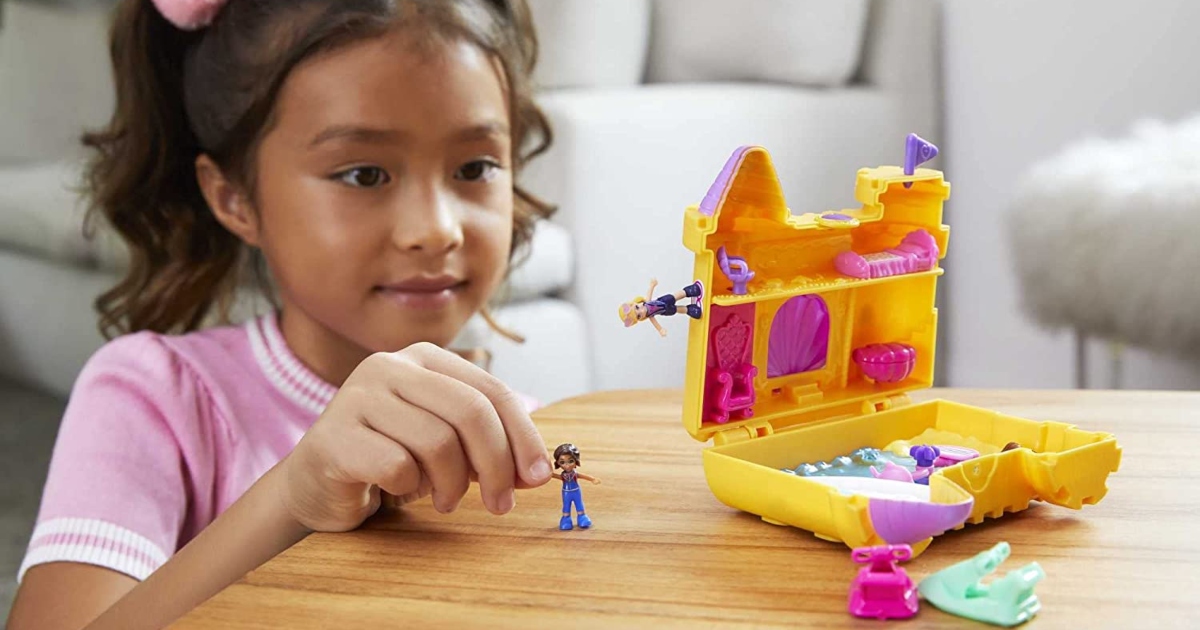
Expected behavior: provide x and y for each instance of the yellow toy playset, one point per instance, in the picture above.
(810, 331)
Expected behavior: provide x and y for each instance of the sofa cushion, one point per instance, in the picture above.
(548, 268)
(42, 214)
(802, 42)
(552, 364)
(585, 43)
(55, 77)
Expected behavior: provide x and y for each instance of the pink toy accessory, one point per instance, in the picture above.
(886, 362)
(951, 455)
(882, 589)
(732, 378)
(893, 472)
(189, 15)
(917, 252)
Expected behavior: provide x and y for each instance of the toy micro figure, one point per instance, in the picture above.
(925, 455)
(566, 457)
(643, 308)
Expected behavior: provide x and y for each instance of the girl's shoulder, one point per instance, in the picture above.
(223, 371)
(157, 358)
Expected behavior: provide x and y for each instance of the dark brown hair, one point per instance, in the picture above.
(567, 449)
(180, 94)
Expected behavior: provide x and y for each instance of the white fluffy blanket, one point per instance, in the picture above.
(1106, 238)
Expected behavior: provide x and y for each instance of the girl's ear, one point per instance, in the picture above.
(228, 202)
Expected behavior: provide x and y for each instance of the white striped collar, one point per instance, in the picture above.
(283, 369)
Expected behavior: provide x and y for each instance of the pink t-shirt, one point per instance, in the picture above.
(163, 433)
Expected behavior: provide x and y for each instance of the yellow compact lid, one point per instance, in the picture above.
(814, 316)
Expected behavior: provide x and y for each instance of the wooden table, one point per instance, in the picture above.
(665, 553)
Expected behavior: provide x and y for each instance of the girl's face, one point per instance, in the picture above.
(567, 463)
(384, 199)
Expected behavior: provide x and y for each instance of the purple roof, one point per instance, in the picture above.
(717, 190)
(749, 180)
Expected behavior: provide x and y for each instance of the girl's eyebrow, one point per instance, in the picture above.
(356, 133)
(481, 131)
(370, 135)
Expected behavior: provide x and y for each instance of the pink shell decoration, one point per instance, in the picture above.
(886, 362)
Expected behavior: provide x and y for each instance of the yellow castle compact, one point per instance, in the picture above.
(810, 331)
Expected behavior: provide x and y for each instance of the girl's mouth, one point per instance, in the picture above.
(423, 292)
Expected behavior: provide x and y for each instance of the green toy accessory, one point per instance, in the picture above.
(1007, 601)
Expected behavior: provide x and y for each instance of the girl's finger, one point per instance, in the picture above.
(380, 461)
(434, 443)
(528, 449)
(473, 418)
(423, 491)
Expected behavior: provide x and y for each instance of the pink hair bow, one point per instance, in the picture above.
(189, 15)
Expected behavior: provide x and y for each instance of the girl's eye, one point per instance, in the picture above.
(364, 177)
(478, 170)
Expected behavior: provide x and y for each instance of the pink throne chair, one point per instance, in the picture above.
(731, 378)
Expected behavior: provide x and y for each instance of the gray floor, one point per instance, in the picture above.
(28, 423)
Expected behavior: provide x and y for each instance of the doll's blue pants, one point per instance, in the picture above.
(573, 497)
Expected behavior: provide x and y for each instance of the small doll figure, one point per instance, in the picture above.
(925, 456)
(643, 308)
(566, 457)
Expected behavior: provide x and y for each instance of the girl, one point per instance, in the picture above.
(366, 151)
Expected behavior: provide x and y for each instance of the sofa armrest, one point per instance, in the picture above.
(902, 55)
(902, 44)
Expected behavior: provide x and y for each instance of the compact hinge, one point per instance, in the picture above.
(742, 433)
(886, 403)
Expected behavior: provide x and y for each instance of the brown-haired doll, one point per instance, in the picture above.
(566, 458)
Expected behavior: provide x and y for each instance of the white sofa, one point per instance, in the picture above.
(648, 98)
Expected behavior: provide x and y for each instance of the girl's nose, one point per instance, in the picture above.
(428, 223)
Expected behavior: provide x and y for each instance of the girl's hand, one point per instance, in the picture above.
(413, 422)
(595, 482)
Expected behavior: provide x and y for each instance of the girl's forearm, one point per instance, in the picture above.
(253, 530)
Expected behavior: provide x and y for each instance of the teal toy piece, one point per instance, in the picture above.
(1006, 601)
(857, 464)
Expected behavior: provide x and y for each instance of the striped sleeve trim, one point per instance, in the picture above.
(92, 541)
